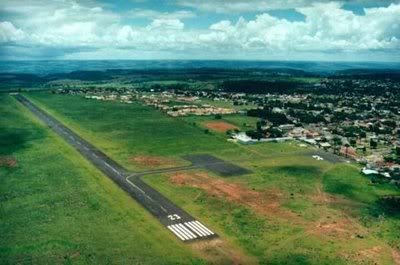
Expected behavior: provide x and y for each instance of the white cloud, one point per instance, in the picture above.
(154, 14)
(327, 27)
(238, 6)
(166, 24)
(235, 6)
(89, 28)
(9, 33)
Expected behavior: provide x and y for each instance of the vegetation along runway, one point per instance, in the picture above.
(177, 220)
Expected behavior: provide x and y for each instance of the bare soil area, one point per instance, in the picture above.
(8, 161)
(265, 203)
(220, 126)
(218, 251)
(152, 161)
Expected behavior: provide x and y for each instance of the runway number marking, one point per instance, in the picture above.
(173, 217)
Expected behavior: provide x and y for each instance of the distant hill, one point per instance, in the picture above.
(43, 68)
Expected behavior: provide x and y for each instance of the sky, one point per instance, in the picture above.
(304, 30)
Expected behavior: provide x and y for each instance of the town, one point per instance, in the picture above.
(358, 125)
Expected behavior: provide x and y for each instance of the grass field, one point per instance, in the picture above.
(241, 121)
(291, 209)
(56, 208)
(125, 131)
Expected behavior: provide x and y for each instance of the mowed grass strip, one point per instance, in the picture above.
(57, 208)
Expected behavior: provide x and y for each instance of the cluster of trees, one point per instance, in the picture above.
(307, 117)
(261, 86)
(353, 131)
(391, 203)
(266, 114)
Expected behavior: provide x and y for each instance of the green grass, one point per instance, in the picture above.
(274, 240)
(56, 208)
(238, 120)
(125, 130)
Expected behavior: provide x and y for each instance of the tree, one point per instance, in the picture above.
(218, 116)
(275, 132)
(353, 142)
(337, 142)
(254, 134)
(373, 144)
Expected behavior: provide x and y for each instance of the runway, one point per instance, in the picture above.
(175, 219)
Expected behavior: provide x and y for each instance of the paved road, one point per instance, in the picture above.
(178, 221)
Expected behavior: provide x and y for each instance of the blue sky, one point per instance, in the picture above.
(357, 30)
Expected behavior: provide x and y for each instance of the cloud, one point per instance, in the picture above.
(9, 33)
(236, 6)
(67, 28)
(327, 28)
(154, 14)
(240, 6)
(166, 24)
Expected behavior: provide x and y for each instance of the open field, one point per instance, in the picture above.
(290, 209)
(57, 208)
(283, 217)
(240, 121)
(126, 131)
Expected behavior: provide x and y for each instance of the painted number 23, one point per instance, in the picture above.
(174, 217)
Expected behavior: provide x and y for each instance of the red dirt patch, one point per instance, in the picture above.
(220, 126)
(396, 256)
(152, 161)
(338, 228)
(371, 254)
(217, 251)
(265, 203)
(7, 161)
(324, 198)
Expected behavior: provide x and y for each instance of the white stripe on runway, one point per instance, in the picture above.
(194, 229)
(200, 228)
(205, 228)
(188, 236)
(180, 231)
(187, 231)
(177, 233)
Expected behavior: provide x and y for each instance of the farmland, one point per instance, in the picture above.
(291, 208)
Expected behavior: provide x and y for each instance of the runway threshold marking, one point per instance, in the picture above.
(190, 230)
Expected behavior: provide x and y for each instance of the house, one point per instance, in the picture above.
(325, 145)
(243, 138)
(286, 127)
(367, 171)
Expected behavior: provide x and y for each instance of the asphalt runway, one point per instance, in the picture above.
(216, 165)
(174, 218)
